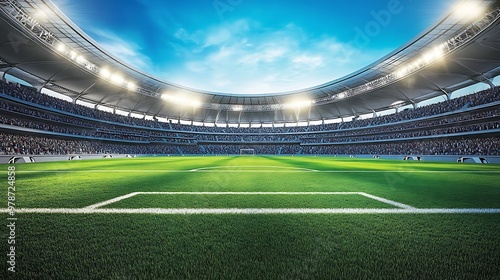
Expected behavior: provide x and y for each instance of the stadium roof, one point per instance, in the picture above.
(56, 54)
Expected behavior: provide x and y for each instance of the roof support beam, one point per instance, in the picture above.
(482, 79)
(84, 91)
(52, 78)
(216, 117)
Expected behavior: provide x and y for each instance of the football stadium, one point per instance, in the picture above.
(113, 170)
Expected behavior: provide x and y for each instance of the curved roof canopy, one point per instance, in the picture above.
(59, 56)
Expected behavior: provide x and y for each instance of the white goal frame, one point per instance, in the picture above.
(247, 152)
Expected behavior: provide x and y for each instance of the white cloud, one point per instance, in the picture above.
(129, 52)
(309, 61)
(217, 38)
(243, 57)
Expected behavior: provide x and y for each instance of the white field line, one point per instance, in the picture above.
(387, 201)
(116, 199)
(252, 211)
(253, 193)
(383, 200)
(257, 171)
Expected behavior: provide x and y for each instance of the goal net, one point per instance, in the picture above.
(247, 152)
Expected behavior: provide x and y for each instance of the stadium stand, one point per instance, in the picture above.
(33, 123)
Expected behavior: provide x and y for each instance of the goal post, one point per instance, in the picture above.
(247, 152)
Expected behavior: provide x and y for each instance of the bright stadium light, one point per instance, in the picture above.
(469, 10)
(298, 104)
(105, 73)
(117, 79)
(180, 100)
(60, 47)
(73, 55)
(131, 86)
(341, 95)
(165, 96)
(80, 59)
(433, 55)
(237, 108)
(401, 73)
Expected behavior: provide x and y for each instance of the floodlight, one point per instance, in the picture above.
(180, 100)
(117, 79)
(80, 59)
(105, 73)
(131, 86)
(60, 47)
(341, 95)
(298, 104)
(400, 73)
(433, 55)
(469, 10)
(237, 108)
(73, 55)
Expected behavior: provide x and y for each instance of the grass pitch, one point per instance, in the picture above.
(259, 246)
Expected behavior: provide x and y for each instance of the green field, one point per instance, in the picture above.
(254, 217)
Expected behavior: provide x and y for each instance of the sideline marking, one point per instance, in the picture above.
(252, 211)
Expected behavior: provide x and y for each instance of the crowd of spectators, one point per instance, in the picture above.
(416, 133)
(444, 146)
(31, 95)
(468, 101)
(40, 120)
(393, 132)
(12, 144)
(155, 138)
(35, 119)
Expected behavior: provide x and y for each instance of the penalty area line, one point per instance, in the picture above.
(110, 201)
(380, 199)
(387, 201)
(253, 211)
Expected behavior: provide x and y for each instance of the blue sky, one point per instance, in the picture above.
(252, 46)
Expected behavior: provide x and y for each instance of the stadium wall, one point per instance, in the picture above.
(4, 159)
